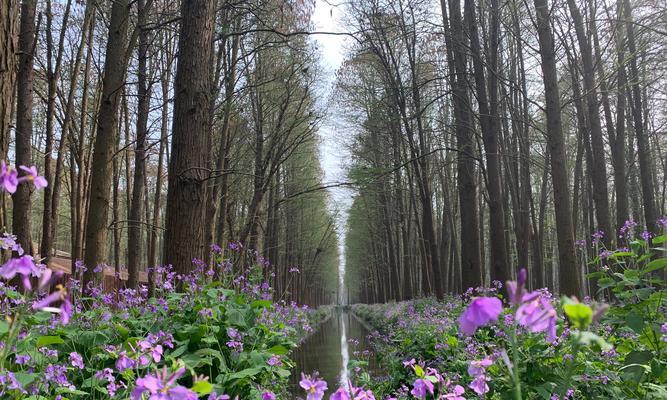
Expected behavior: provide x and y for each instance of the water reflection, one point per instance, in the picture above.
(328, 350)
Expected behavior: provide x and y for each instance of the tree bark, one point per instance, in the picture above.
(187, 193)
(134, 226)
(115, 68)
(21, 199)
(599, 167)
(643, 148)
(471, 269)
(568, 274)
(490, 131)
(9, 25)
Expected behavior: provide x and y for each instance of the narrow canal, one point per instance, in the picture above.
(328, 351)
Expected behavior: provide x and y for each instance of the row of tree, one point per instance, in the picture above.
(163, 129)
(491, 135)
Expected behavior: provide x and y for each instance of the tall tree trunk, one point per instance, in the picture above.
(186, 196)
(618, 143)
(616, 138)
(53, 75)
(115, 67)
(568, 274)
(471, 269)
(9, 25)
(134, 226)
(79, 151)
(599, 167)
(643, 148)
(490, 131)
(21, 198)
(164, 135)
(52, 196)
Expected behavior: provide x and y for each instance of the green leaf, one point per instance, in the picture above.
(236, 318)
(419, 371)
(202, 387)
(618, 254)
(636, 364)
(278, 350)
(24, 378)
(193, 360)
(283, 373)
(589, 338)
(122, 330)
(659, 239)
(635, 322)
(67, 390)
(261, 304)
(42, 316)
(655, 265)
(4, 327)
(579, 314)
(246, 373)
(49, 340)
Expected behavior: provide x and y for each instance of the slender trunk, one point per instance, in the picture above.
(164, 134)
(471, 269)
(134, 226)
(599, 167)
(115, 66)
(643, 148)
(490, 132)
(569, 281)
(21, 199)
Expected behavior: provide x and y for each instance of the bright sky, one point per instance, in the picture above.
(333, 152)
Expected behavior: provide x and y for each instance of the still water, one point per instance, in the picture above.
(341, 338)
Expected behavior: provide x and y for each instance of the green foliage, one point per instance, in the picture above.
(226, 337)
(599, 352)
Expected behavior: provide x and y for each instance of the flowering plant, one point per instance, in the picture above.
(221, 337)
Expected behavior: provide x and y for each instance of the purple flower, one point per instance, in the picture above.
(22, 359)
(14, 384)
(124, 362)
(456, 393)
(23, 266)
(268, 396)
(162, 386)
(420, 387)
(662, 222)
(515, 289)
(480, 312)
(215, 396)
(31, 175)
(477, 368)
(9, 180)
(646, 235)
(340, 394)
(274, 361)
(538, 315)
(76, 360)
(361, 394)
(479, 385)
(597, 236)
(314, 387)
(58, 374)
(65, 309)
(604, 253)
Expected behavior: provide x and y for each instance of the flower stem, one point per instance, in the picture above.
(515, 367)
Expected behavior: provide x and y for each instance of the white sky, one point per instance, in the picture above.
(333, 152)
